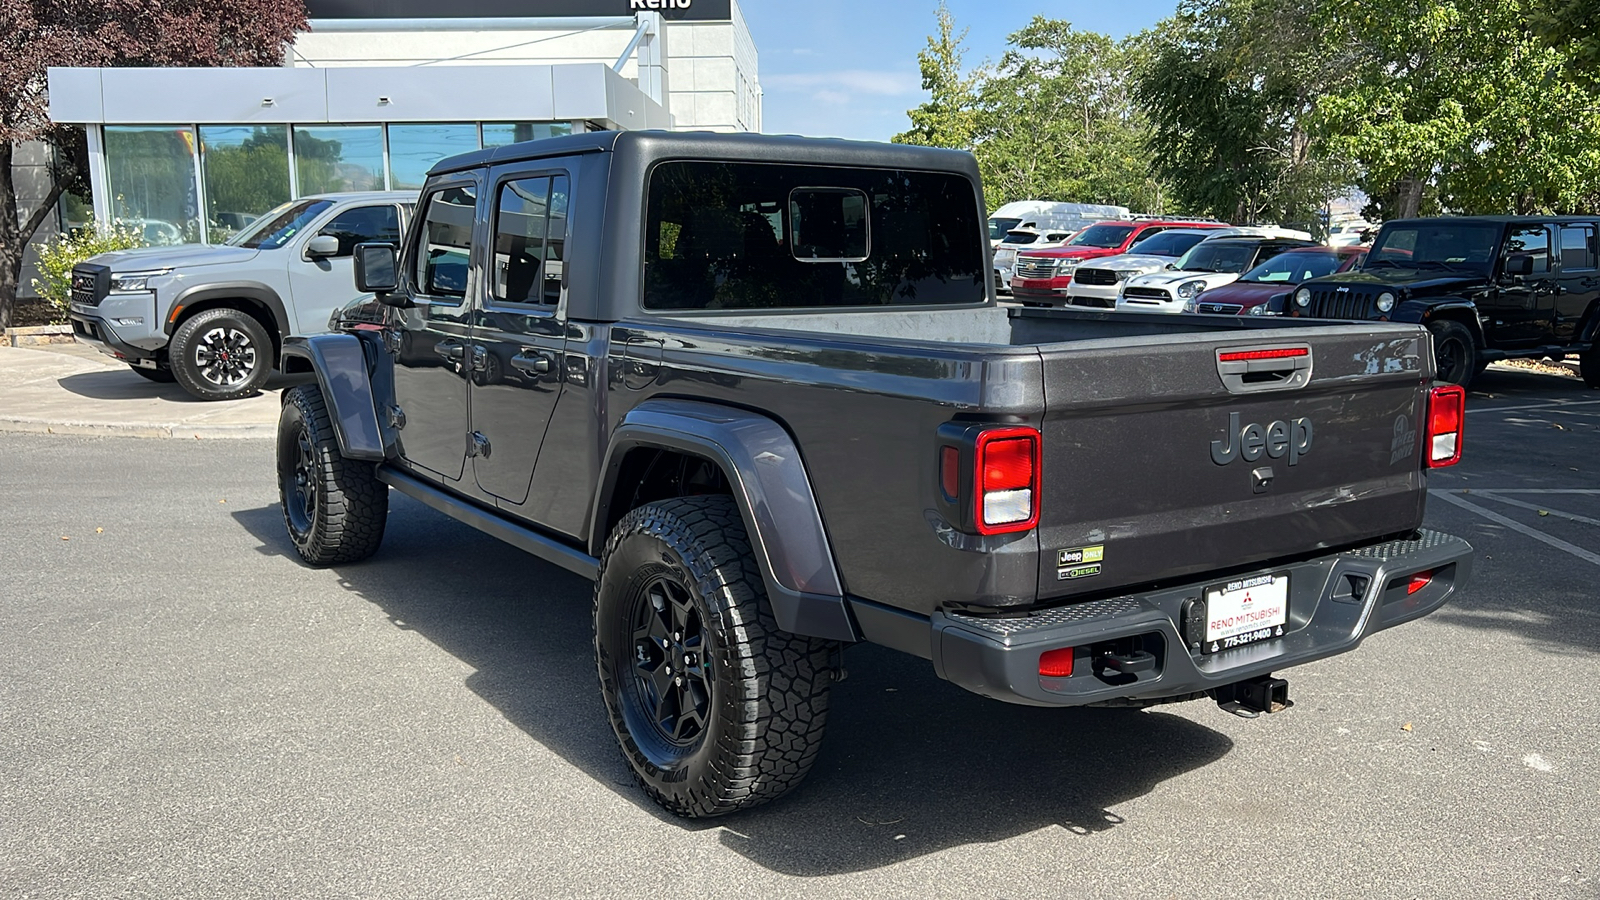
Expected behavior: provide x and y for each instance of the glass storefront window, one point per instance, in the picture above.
(498, 134)
(150, 173)
(413, 149)
(246, 172)
(339, 158)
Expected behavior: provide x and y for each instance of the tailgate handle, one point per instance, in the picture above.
(1278, 367)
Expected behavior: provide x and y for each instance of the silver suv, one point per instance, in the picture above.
(213, 318)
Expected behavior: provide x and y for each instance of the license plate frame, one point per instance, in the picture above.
(1245, 611)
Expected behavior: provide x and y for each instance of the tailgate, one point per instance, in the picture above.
(1168, 456)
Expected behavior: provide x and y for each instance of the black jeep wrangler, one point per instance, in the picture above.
(1488, 287)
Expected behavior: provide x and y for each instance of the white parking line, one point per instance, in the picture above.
(1553, 404)
(1538, 509)
(1534, 533)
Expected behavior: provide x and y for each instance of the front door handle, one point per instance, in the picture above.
(533, 364)
(480, 358)
(449, 349)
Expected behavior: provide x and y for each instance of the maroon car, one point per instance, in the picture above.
(1265, 289)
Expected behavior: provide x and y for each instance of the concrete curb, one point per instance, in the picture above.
(107, 429)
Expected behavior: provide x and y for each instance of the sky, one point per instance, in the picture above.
(848, 68)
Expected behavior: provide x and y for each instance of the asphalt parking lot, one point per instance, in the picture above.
(186, 711)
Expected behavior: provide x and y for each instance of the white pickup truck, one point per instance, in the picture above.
(213, 318)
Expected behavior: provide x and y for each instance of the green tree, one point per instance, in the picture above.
(1231, 89)
(1573, 25)
(950, 117)
(1458, 103)
(1054, 119)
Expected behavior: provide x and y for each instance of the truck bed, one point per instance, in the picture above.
(1130, 408)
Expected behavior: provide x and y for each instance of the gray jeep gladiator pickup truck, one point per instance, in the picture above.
(758, 389)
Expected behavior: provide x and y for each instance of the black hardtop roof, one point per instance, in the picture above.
(786, 148)
(1495, 220)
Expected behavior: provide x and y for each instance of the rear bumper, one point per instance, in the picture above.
(1329, 613)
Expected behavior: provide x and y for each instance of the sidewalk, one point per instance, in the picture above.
(71, 389)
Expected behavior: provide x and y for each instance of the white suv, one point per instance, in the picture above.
(212, 318)
(1005, 256)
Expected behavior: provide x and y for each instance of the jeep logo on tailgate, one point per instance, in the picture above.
(1251, 441)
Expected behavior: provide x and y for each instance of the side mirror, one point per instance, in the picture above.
(376, 269)
(1519, 265)
(1170, 266)
(322, 246)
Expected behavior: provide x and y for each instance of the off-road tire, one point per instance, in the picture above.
(768, 689)
(197, 349)
(162, 375)
(334, 508)
(1589, 367)
(1455, 352)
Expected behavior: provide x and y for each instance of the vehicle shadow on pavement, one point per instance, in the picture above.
(911, 764)
(124, 384)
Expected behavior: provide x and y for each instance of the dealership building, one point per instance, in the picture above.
(376, 91)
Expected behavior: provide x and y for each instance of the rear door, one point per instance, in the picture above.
(1577, 280)
(519, 330)
(1177, 459)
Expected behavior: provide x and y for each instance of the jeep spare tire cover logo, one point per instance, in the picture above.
(1275, 440)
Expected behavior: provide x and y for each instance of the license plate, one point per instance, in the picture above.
(1246, 611)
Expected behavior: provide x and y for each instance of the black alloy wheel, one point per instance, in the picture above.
(1455, 353)
(671, 689)
(716, 708)
(334, 508)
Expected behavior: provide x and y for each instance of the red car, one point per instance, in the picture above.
(1044, 275)
(1264, 289)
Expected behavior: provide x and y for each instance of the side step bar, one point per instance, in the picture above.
(520, 536)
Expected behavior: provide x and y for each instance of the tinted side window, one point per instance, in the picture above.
(445, 251)
(529, 240)
(1532, 241)
(364, 223)
(726, 236)
(1577, 247)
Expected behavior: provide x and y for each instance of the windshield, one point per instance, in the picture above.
(999, 227)
(1105, 237)
(279, 226)
(1217, 256)
(1438, 244)
(1021, 237)
(1167, 243)
(1293, 268)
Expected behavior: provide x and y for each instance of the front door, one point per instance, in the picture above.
(1578, 281)
(322, 284)
(1522, 308)
(519, 330)
(431, 363)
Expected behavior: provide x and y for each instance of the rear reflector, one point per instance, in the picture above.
(1418, 582)
(1056, 663)
(950, 472)
(1278, 353)
(1007, 480)
(1446, 414)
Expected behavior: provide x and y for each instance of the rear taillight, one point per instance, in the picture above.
(1418, 582)
(1006, 484)
(1446, 414)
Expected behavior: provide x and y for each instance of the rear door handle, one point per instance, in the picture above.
(533, 364)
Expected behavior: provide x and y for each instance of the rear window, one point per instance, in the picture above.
(731, 236)
(1167, 243)
(1104, 237)
(1218, 256)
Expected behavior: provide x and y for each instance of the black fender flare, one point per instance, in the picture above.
(345, 374)
(772, 490)
(228, 290)
(1422, 312)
